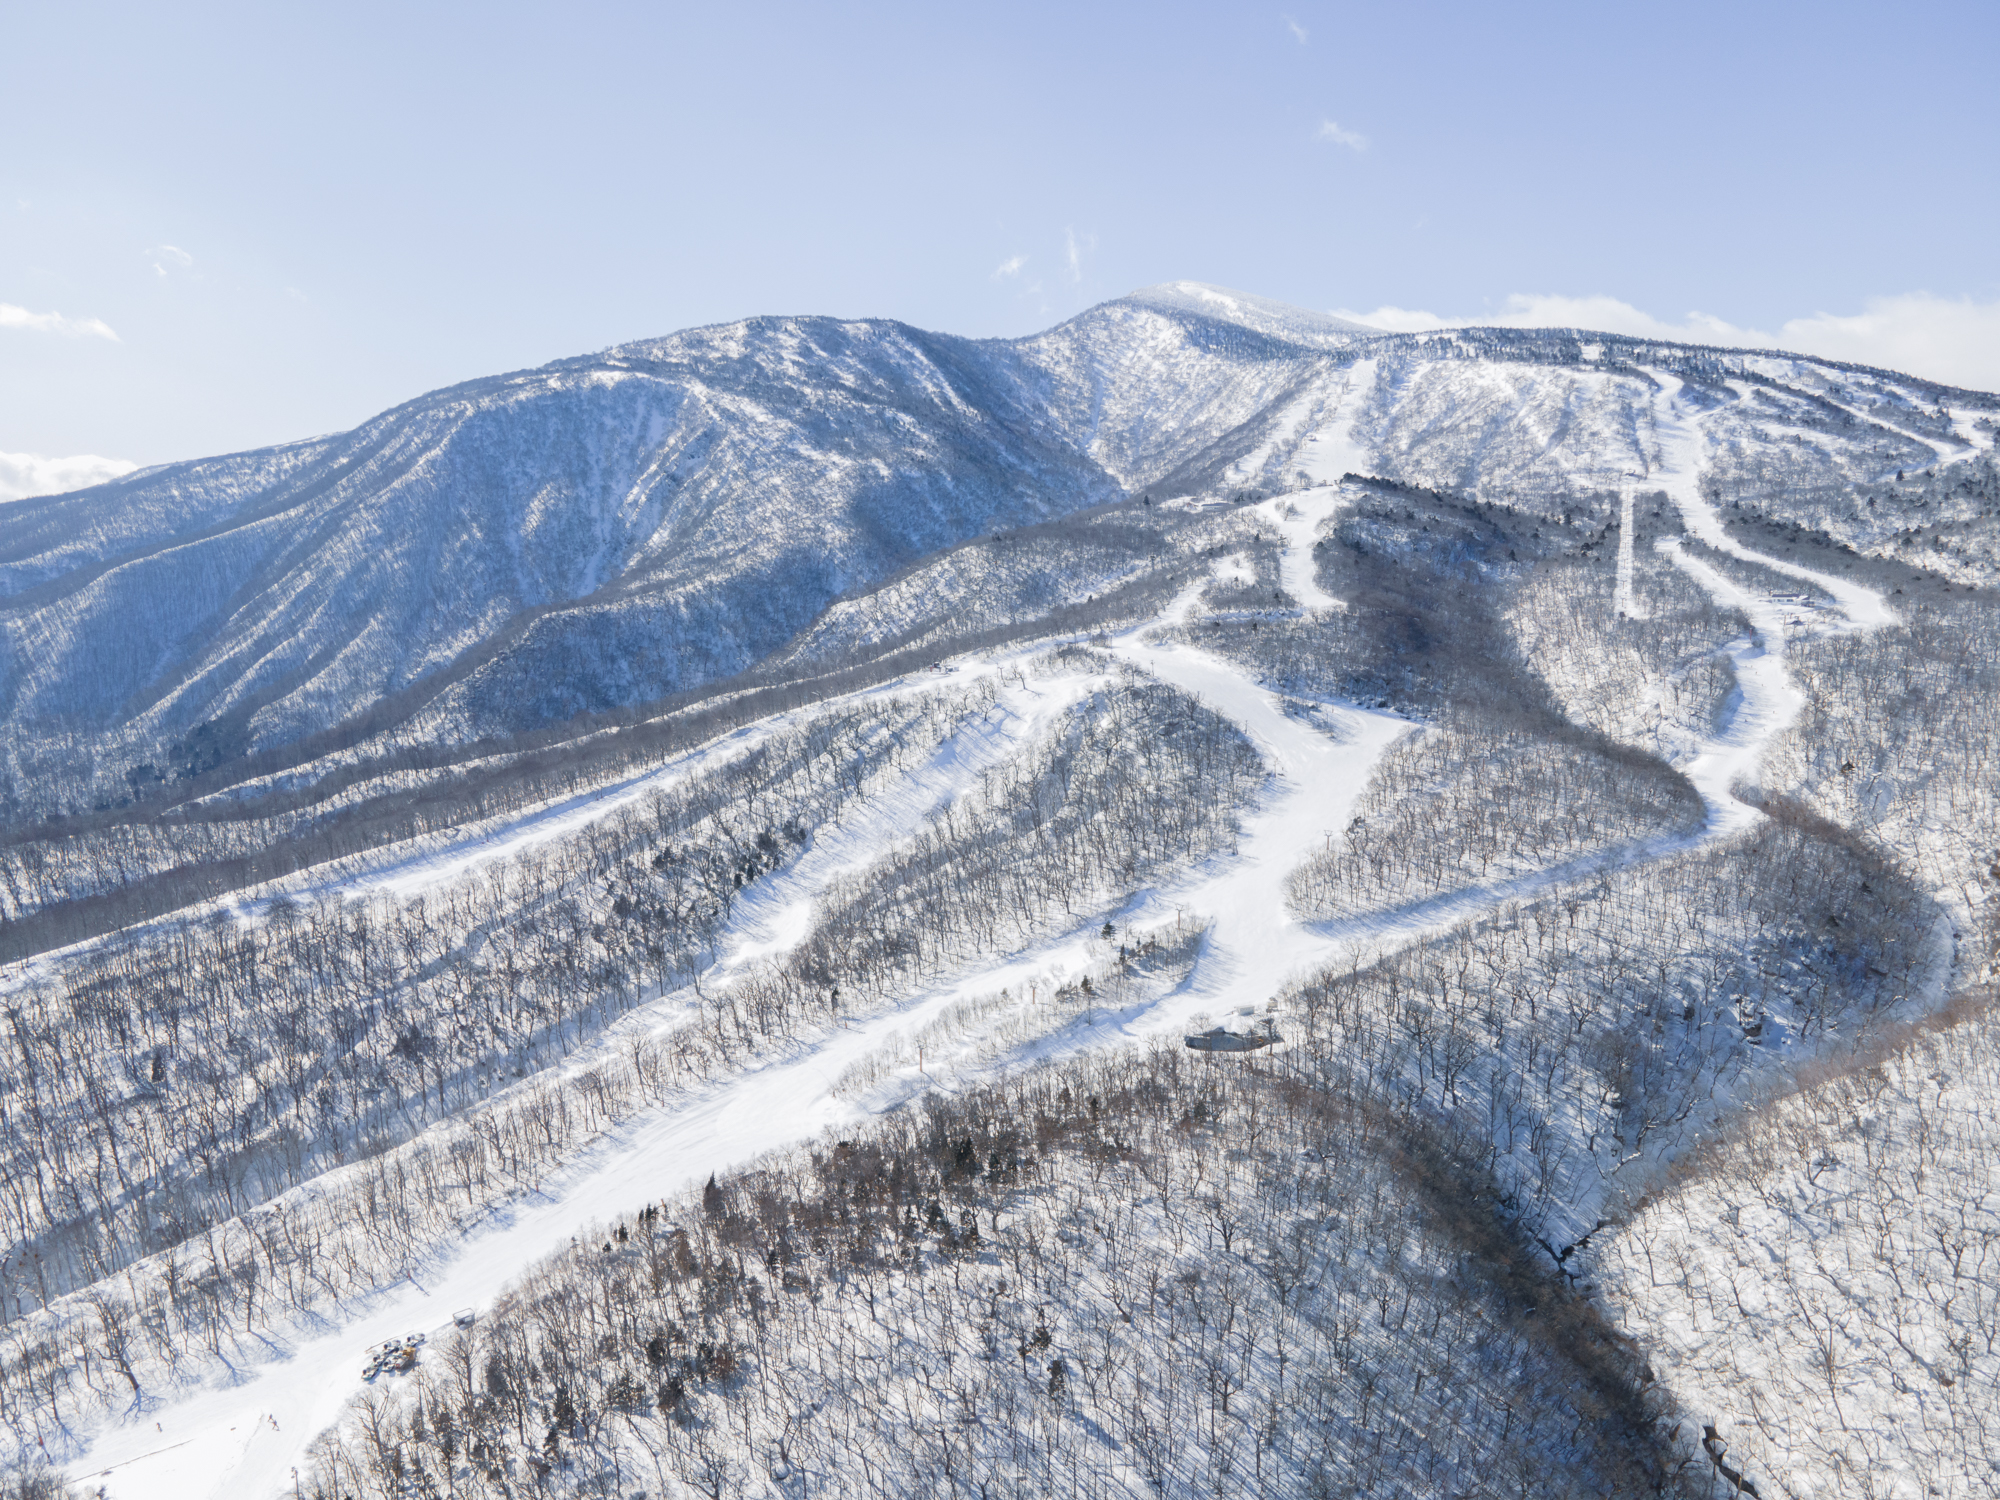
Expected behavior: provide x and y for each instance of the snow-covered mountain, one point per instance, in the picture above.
(657, 926)
(609, 530)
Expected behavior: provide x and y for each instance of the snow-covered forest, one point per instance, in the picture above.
(695, 1000)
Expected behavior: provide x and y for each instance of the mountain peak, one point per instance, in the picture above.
(1300, 325)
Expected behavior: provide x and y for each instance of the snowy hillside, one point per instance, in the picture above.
(609, 531)
(1822, 1285)
(636, 928)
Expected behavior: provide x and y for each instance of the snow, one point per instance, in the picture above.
(1824, 1294)
(1680, 438)
(773, 915)
(1334, 450)
(1298, 324)
(672, 523)
(426, 869)
(1019, 712)
(1768, 699)
(1944, 451)
(243, 1440)
(1256, 947)
(1622, 600)
(1299, 519)
(1324, 457)
(1962, 427)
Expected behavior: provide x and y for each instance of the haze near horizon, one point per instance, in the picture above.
(249, 228)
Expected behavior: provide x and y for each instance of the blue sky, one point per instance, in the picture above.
(223, 226)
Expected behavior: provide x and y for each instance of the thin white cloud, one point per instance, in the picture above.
(53, 322)
(25, 474)
(1011, 266)
(1391, 319)
(1298, 32)
(1599, 314)
(1075, 247)
(163, 256)
(1954, 340)
(1354, 140)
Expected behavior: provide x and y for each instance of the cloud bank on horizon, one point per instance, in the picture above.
(23, 475)
(1955, 340)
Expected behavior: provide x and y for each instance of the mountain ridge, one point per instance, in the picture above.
(609, 529)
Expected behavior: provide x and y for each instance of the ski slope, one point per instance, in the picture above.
(246, 1436)
(1680, 438)
(1622, 599)
(1770, 700)
(1300, 518)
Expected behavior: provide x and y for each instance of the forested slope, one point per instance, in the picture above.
(1560, 764)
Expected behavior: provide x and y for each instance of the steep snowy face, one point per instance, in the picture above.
(1548, 418)
(1162, 398)
(600, 531)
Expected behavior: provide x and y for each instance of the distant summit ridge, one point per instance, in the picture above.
(1300, 325)
(599, 535)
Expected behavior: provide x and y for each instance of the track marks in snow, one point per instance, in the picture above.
(1946, 454)
(1767, 699)
(1966, 433)
(1255, 945)
(1331, 452)
(1253, 949)
(1681, 440)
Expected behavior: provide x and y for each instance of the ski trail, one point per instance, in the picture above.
(1324, 457)
(1328, 448)
(415, 866)
(1621, 595)
(774, 915)
(1966, 433)
(301, 1391)
(1332, 452)
(1768, 700)
(1680, 440)
(1871, 418)
(415, 873)
(1255, 947)
(411, 874)
(1298, 518)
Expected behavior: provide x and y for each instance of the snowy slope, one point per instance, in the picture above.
(648, 518)
(1823, 1296)
(1254, 951)
(809, 494)
(608, 530)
